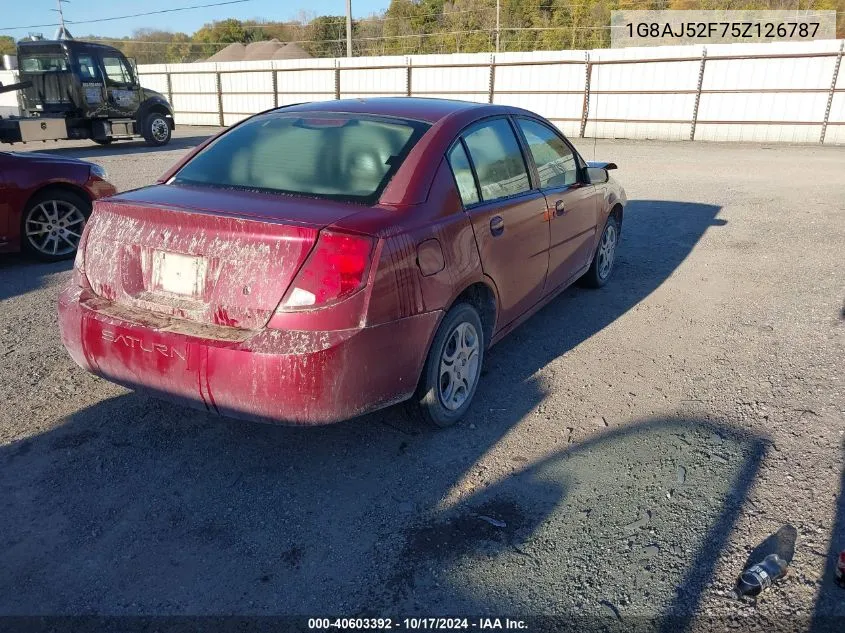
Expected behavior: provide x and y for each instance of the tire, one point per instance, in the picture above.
(52, 223)
(444, 395)
(600, 270)
(103, 141)
(156, 130)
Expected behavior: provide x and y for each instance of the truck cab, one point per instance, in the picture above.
(77, 89)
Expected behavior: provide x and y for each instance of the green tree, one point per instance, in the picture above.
(7, 45)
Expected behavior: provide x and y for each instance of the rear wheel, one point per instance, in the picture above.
(156, 129)
(52, 224)
(604, 257)
(103, 141)
(452, 370)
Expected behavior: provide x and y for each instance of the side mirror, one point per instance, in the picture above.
(598, 175)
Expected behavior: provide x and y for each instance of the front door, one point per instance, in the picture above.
(5, 200)
(122, 94)
(572, 202)
(507, 215)
(95, 103)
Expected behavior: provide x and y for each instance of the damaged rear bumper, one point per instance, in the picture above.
(268, 375)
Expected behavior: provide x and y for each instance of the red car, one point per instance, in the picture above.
(322, 260)
(44, 202)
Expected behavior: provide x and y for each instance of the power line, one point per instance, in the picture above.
(124, 17)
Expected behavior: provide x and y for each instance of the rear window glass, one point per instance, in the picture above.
(341, 156)
(43, 63)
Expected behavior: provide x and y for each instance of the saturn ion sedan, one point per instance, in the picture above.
(322, 260)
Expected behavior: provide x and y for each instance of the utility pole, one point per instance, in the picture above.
(349, 28)
(62, 33)
(61, 15)
(498, 3)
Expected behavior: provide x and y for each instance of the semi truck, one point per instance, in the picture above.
(71, 89)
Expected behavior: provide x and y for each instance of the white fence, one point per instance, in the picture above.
(791, 92)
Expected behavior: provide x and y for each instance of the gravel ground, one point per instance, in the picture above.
(627, 450)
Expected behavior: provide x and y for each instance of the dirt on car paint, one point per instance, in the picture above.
(636, 442)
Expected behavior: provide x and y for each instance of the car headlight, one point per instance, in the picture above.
(99, 172)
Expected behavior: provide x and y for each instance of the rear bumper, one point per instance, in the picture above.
(299, 378)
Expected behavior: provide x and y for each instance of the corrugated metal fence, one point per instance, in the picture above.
(791, 92)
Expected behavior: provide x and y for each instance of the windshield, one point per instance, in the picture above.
(42, 63)
(343, 156)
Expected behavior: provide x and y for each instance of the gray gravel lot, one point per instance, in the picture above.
(637, 441)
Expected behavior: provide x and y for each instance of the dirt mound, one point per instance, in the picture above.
(262, 50)
(291, 51)
(232, 53)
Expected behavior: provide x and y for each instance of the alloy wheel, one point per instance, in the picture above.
(54, 227)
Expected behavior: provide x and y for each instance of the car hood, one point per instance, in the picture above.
(39, 157)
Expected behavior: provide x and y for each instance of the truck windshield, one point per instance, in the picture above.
(342, 156)
(43, 63)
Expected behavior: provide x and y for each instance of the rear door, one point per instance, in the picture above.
(572, 201)
(507, 215)
(122, 95)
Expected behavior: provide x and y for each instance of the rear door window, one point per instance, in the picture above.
(497, 159)
(340, 156)
(462, 171)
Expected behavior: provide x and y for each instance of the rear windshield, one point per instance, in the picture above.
(46, 62)
(340, 156)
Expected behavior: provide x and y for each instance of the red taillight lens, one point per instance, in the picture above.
(79, 278)
(336, 268)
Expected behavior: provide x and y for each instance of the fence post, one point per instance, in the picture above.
(832, 91)
(169, 89)
(337, 80)
(408, 78)
(491, 86)
(275, 88)
(698, 93)
(220, 101)
(585, 110)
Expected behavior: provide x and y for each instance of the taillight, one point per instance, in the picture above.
(79, 278)
(335, 269)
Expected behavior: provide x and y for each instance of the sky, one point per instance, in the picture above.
(17, 13)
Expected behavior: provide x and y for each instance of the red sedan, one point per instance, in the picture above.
(44, 202)
(322, 260)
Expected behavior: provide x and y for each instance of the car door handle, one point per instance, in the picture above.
(497, 226)
(560, 208)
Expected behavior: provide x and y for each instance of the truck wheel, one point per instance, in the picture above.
(103, 141)
(52, 224)
(156, 130)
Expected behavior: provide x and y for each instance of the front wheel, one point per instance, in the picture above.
(604, 257)
(52, 224)
(453, 368)
(156, 130)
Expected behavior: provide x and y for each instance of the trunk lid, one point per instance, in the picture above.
(215, 257)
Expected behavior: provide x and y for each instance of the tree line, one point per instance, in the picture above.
(428, 26)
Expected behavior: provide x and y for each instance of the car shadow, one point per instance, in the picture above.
(20, 274)
(120, 148)
(136, 506)
(829, 610)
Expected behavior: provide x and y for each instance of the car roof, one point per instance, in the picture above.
(415, 108)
